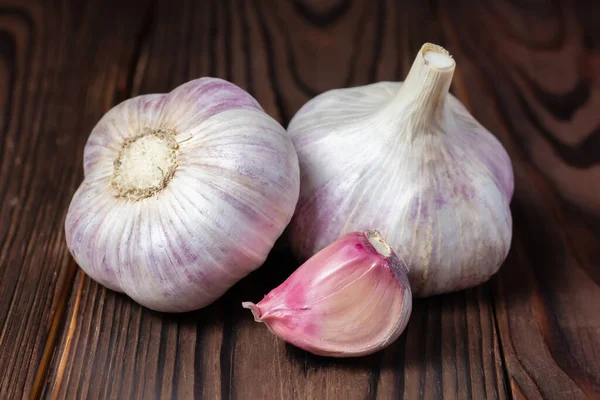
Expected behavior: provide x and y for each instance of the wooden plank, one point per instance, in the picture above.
(534, 81)
(283, 53)
(59, 70)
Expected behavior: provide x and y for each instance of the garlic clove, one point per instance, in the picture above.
(352, 298)
(409, 159)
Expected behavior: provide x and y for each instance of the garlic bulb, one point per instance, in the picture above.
(350, 299)
(184, 194)
(408, 160)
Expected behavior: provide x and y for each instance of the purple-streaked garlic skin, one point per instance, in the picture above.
(232, 193)
(408, 160)
(348, 300)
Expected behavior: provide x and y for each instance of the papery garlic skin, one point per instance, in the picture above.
(350, 299)
(408, 160)
(184, 194)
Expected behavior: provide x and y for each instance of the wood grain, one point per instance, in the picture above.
(537, 86)
(59, 70)
(530, 72)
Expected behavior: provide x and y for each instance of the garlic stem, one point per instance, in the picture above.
(378, 243)
(423, 94)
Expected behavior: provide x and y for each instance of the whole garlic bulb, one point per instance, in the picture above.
(184, 194)
(408, 160)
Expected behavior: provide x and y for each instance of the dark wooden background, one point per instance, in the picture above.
(528, 70)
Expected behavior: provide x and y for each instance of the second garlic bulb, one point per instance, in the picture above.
(408, 160)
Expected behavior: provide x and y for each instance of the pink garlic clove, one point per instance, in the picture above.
(350, 299)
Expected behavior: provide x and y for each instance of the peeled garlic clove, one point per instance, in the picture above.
(352, 298)
(408, 159)
(184, 194)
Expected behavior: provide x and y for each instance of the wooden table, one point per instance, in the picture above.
(529, 72)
